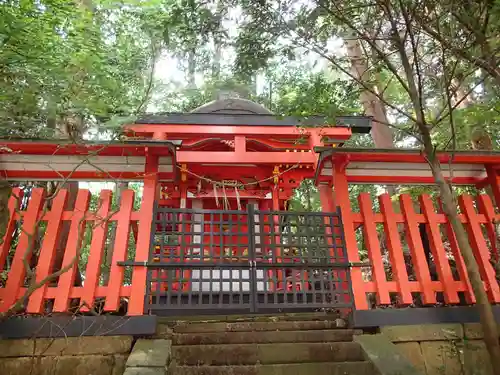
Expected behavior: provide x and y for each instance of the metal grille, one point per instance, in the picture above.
(303, 259)
(246, 261)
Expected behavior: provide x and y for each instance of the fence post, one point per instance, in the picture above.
(420, 265)
(72, 251)
(97, 245)
(341, 187)
(438, 252)
(149, 195)
(333, 235)
(479, 247)
(14, 203)
(374, 250)
(400, 275)
(24, 250)
(494, 182)
(48, 251)
(120, 249)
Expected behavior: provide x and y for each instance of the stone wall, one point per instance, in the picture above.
(442, 349)
(96, 355)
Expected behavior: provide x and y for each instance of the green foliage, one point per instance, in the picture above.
(305, 198)
(63, 66)
(483, 115)
(299, 93)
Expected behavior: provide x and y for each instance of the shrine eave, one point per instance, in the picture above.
(35, 159)
(404, 166)
(358, 124)
(104, 148)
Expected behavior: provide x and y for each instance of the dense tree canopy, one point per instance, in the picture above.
(88, 65)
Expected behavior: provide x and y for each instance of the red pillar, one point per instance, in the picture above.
(149, 195)
(326, 197)
(277, 238)
(494, 182)
(341, 188)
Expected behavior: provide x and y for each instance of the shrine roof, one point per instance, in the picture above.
(358, 124)
(68, 147)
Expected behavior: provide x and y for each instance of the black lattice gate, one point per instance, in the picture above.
(220, 261)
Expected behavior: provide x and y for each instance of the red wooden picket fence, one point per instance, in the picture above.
(390, 240)
(394, 249)
(61, 291)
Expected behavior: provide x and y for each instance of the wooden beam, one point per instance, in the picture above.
(253, 131)
(199, 157)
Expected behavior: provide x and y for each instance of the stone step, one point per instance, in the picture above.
(251, 354)
(262, 337)
(249, 317)
(255, 326)
(325, 368)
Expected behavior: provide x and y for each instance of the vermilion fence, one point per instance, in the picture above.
(394, 241)
(46, 232)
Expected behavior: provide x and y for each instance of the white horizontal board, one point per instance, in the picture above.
(81, 163)
(410, 166)
(409, 170)
(228, 280)
(63, 159)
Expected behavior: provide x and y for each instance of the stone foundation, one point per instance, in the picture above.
(96, 355)
(442, 349)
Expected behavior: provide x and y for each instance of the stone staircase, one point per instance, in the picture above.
(273, 347)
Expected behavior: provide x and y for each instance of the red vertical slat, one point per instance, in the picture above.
(374, 252)
(278, 251)
(437, 250)
(24, 250)
(342, 198)
(187, 253)
(328, 208)
(14, 203)
(417, 250)
(48, 251)
(266, 250)
(71, 253)
(479, 247)
(459, 261)
(486, 207)
(395, 250)
(119, 251)
(99, 235)
(333, 236)
(494, 180)
(149, 195)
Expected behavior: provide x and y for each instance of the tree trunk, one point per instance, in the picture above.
(450, 209)
(381, 133)
(487, 318)
(217, 58)
(482, 303)
(191, 74)
(460, 96)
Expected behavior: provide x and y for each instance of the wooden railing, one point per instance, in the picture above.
(45, 238)
(394, 242)
(46, 233)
